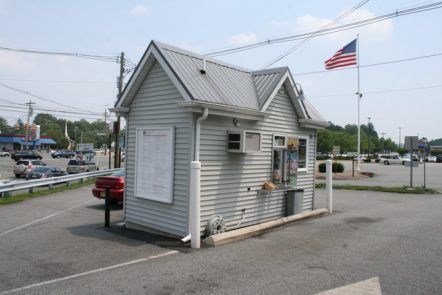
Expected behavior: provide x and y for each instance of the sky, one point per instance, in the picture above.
(108, 27)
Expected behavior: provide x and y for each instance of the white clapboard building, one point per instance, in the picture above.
(244, 127)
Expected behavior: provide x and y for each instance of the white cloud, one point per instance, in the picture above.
(280, 23)
(377, 31)
(15, 62)
(242, 38)
(140, 10)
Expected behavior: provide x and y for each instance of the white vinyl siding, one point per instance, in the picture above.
(230, 182)
(155, 105)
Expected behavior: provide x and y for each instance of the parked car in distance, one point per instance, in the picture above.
(79, 166)
(394, 160)
(4, 154)
(431, 159)
(22, 167)
(45, 172)
(439, 158)
(63, 154)
(116, 183)
(29, 154)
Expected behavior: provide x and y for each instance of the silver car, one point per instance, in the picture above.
(80, 166)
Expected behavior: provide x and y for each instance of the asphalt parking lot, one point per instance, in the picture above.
(396, 175)
(7, 165)
(57, 245)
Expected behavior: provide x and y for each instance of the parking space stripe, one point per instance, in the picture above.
(88, 272)
(41, 219)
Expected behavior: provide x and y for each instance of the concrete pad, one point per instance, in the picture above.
(250, 231)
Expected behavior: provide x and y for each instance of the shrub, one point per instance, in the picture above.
(319, 158)
(368, 160)
(336, 168)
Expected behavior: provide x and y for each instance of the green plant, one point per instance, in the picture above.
(336, 167)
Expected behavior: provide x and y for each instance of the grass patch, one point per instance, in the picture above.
(24, 196)
(385, 189)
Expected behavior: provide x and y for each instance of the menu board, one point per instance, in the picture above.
(154, 164)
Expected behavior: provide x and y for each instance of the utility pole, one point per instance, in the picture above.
(29, 104)
(117, 124)
(107, 130)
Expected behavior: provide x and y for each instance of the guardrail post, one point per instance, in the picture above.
(107, 207)
(68, 183)
(31, 190)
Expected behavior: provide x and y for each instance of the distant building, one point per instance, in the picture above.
(18, 142)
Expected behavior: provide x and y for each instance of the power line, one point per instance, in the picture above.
(46, 109)
(304, 41)
(356, 24)
(371, 65)
(58, 81)
(64, 115)
(45, 99)
(70, 54)
(385, 91)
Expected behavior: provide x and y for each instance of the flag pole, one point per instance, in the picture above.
(359, 95)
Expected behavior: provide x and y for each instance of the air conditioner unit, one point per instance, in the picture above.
(242, 141)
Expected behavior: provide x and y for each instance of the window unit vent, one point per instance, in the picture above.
(241, 141)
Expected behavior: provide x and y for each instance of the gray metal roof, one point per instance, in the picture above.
(222, 84)
(312, 112)
(266, 81)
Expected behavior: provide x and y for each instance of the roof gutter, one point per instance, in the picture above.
(224, 110)
(313, 124)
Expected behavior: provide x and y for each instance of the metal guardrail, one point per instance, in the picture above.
(30, 184)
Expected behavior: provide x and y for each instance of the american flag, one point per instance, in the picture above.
(343, 57)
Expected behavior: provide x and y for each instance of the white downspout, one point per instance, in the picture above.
(198, 133)
(195, 187)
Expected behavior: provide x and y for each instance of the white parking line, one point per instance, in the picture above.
(88, 272)
(41, 219)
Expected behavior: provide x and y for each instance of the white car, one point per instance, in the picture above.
(394, 160)
(431, 159)
(4, 154)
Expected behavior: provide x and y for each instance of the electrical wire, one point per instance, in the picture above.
(45, 99)
(46, 109)
(304, 41)
(384, 91)
(58, 81)
(71, 54)
(371, 65)
(64, 115)
(345, 27)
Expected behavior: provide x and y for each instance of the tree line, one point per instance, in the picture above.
(346, 138)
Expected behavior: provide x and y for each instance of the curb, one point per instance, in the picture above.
(254, 230)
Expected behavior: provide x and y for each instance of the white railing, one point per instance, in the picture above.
(30, 184)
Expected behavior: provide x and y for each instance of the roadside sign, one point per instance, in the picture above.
(411, 142)
(85, 146)
(336, 149)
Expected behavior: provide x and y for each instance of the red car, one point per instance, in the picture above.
(116, 183)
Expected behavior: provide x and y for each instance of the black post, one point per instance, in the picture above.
(107, 207)
(353, 167)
